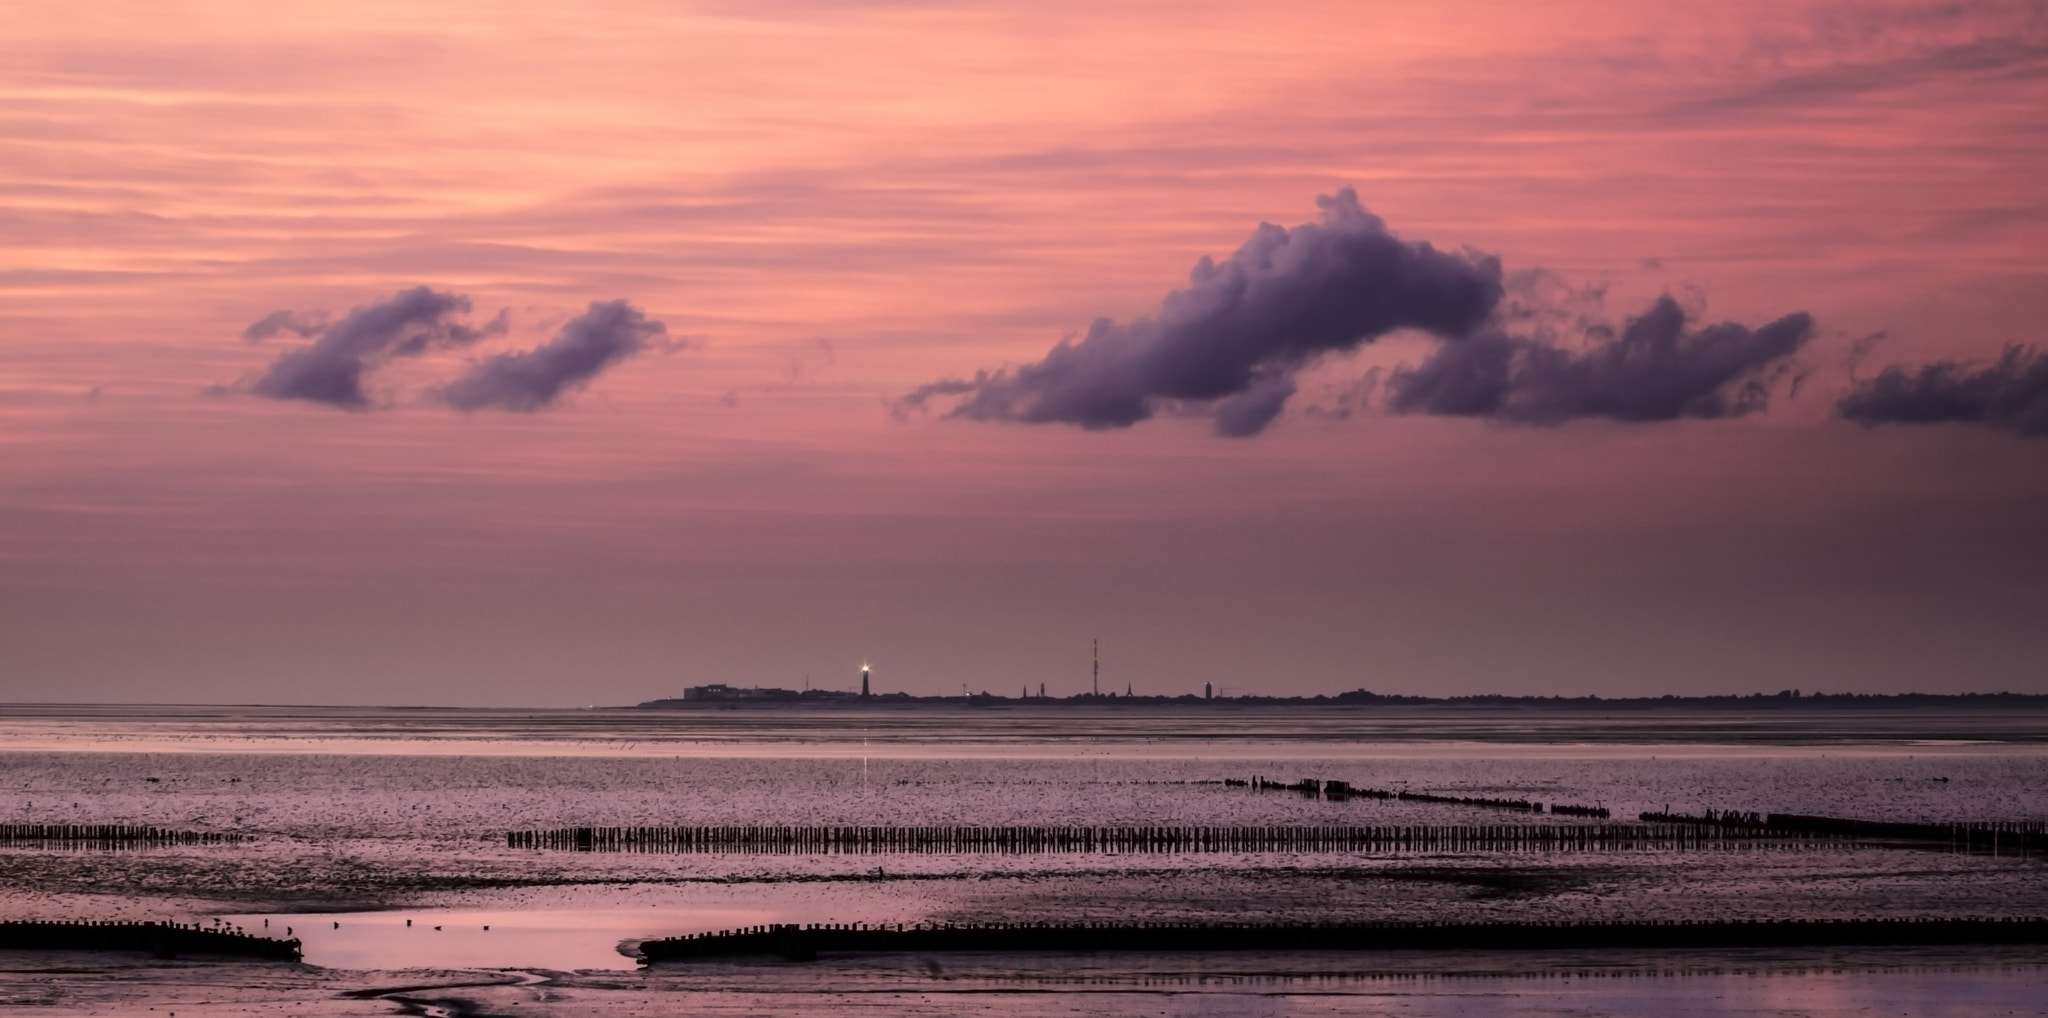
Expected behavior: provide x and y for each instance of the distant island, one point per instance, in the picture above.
(718, 695)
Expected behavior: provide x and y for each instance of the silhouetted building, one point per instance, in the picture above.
(719, 691)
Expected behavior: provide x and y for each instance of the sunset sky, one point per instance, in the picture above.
(557, 354)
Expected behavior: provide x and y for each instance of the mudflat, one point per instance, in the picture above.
(384, 841)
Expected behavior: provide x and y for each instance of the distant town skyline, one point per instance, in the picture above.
(445, 354)
(718, 695)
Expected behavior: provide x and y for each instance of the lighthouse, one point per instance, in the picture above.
(863, 682)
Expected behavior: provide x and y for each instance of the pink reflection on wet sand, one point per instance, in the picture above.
(561, 940)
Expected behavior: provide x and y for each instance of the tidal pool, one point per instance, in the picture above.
(438, 938)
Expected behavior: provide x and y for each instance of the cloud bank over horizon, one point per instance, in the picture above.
(422, 320)
(1231, 346)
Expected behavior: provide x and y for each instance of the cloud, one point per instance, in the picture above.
(308, 325)
(1656, 370)
(331, 369)
(1248, 412)
(2011, 393)
(1231, 344)
(421, 320)
(533, 379)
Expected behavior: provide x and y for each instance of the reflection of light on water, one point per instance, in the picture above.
(566, 940)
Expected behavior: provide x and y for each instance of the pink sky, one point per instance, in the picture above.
(831, 205)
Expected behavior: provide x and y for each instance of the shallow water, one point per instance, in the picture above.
(1007, 730)
(451, 938)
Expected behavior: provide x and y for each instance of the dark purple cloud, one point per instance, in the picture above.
(533, 379)
(1655, 370)
(1232, 342)
(2011, 393)
(331, 369)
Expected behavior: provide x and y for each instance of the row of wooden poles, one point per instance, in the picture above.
(1994, 836)
(106, 836)
(1342, 791)
(164, 940)
(792, 840)
(1659, 830)
(806, 942)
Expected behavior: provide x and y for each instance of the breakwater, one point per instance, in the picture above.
(106, 836)
(1336, 790)
(1567, 810)
(1517, 805)
(164, 940)
(1985, 836)
(1028, 840)
(807, 942)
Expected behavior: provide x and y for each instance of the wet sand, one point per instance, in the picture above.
(368, 818)
(1716, 984)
